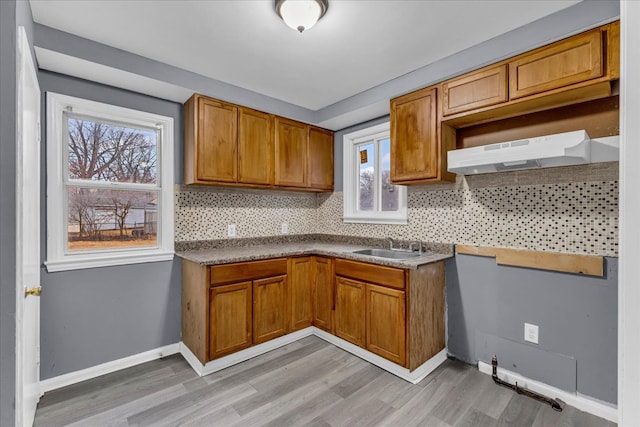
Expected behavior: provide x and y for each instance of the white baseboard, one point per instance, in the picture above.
(413, 377)
(242, 355)
(593, 406)
(106, 368)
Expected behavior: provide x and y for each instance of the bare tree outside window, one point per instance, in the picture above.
(103, 218)
(374, 158)
(367, 178)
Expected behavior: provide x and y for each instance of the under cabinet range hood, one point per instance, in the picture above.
(562, 149)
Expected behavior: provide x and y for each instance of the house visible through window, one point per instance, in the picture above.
(100, 154)
(369, 195)
(109, 185)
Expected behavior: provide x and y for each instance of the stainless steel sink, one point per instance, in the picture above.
(386, 253)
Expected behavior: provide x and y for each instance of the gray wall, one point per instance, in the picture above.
(488, 304)
(12, 15)
(98, 315)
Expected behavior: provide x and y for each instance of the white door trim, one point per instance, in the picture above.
(629, 274)
(27, 388)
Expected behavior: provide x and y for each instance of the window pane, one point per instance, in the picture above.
(100, 151)
(111, 219)
(366, 191)
(389, 194)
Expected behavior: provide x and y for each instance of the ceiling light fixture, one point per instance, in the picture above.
(301, 14)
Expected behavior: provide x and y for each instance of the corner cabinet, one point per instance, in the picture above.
(235, 146)
(418, 154)
(323, 293)
(394, 313)
(301, 276)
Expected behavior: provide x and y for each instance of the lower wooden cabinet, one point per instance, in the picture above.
(300, 281)
(323, 299)
(394, 313)
(350, 310)
(269, 308)
(386, 323)
(230, 318)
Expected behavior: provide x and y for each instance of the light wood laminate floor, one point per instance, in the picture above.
(310, 383)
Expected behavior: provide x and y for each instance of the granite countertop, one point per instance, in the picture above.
(339, 249)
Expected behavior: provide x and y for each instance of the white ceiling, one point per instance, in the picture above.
(359, 44)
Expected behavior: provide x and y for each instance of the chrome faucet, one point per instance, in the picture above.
(419, 243)
(390, 240)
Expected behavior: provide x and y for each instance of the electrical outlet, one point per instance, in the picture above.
(284, 229)
(531, 333)
(231, 230)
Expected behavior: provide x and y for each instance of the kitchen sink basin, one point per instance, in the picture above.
(386, 253)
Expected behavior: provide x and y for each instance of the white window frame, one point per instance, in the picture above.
(58, 257)
(352, 214)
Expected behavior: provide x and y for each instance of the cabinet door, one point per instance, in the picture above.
(386, 323)
(255, 147)
(216, 154)
(320, 158)
(475, 90)
(291, 153)
(299, 280)
(269, 302)
(561, 64)
(350, 310)
(414, 141)
(229, 319)
(322, 293)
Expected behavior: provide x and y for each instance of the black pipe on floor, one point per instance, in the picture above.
(556, 404)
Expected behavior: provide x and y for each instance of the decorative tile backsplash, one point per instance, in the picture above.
(565, 210)
(205, 213)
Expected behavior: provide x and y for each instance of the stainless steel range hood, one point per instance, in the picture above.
(562, 149)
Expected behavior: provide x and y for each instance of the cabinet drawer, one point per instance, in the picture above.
(386, 276)
(474, 90)
(242, 271)
(564, 63)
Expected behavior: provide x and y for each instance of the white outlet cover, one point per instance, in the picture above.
(284, 229)
(531, 333)
(231, 230)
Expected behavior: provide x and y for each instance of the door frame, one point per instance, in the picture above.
(26, 70)
(628, 289)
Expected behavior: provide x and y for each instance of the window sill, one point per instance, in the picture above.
(361, 220)
(80, 262)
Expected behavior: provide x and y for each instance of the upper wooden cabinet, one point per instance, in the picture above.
(320, 158)
(291, 153)
(569, 61)
(570, 71)
(211, 129)
(417, 155)
(474, 90)
(255, 147)
(226, 144)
